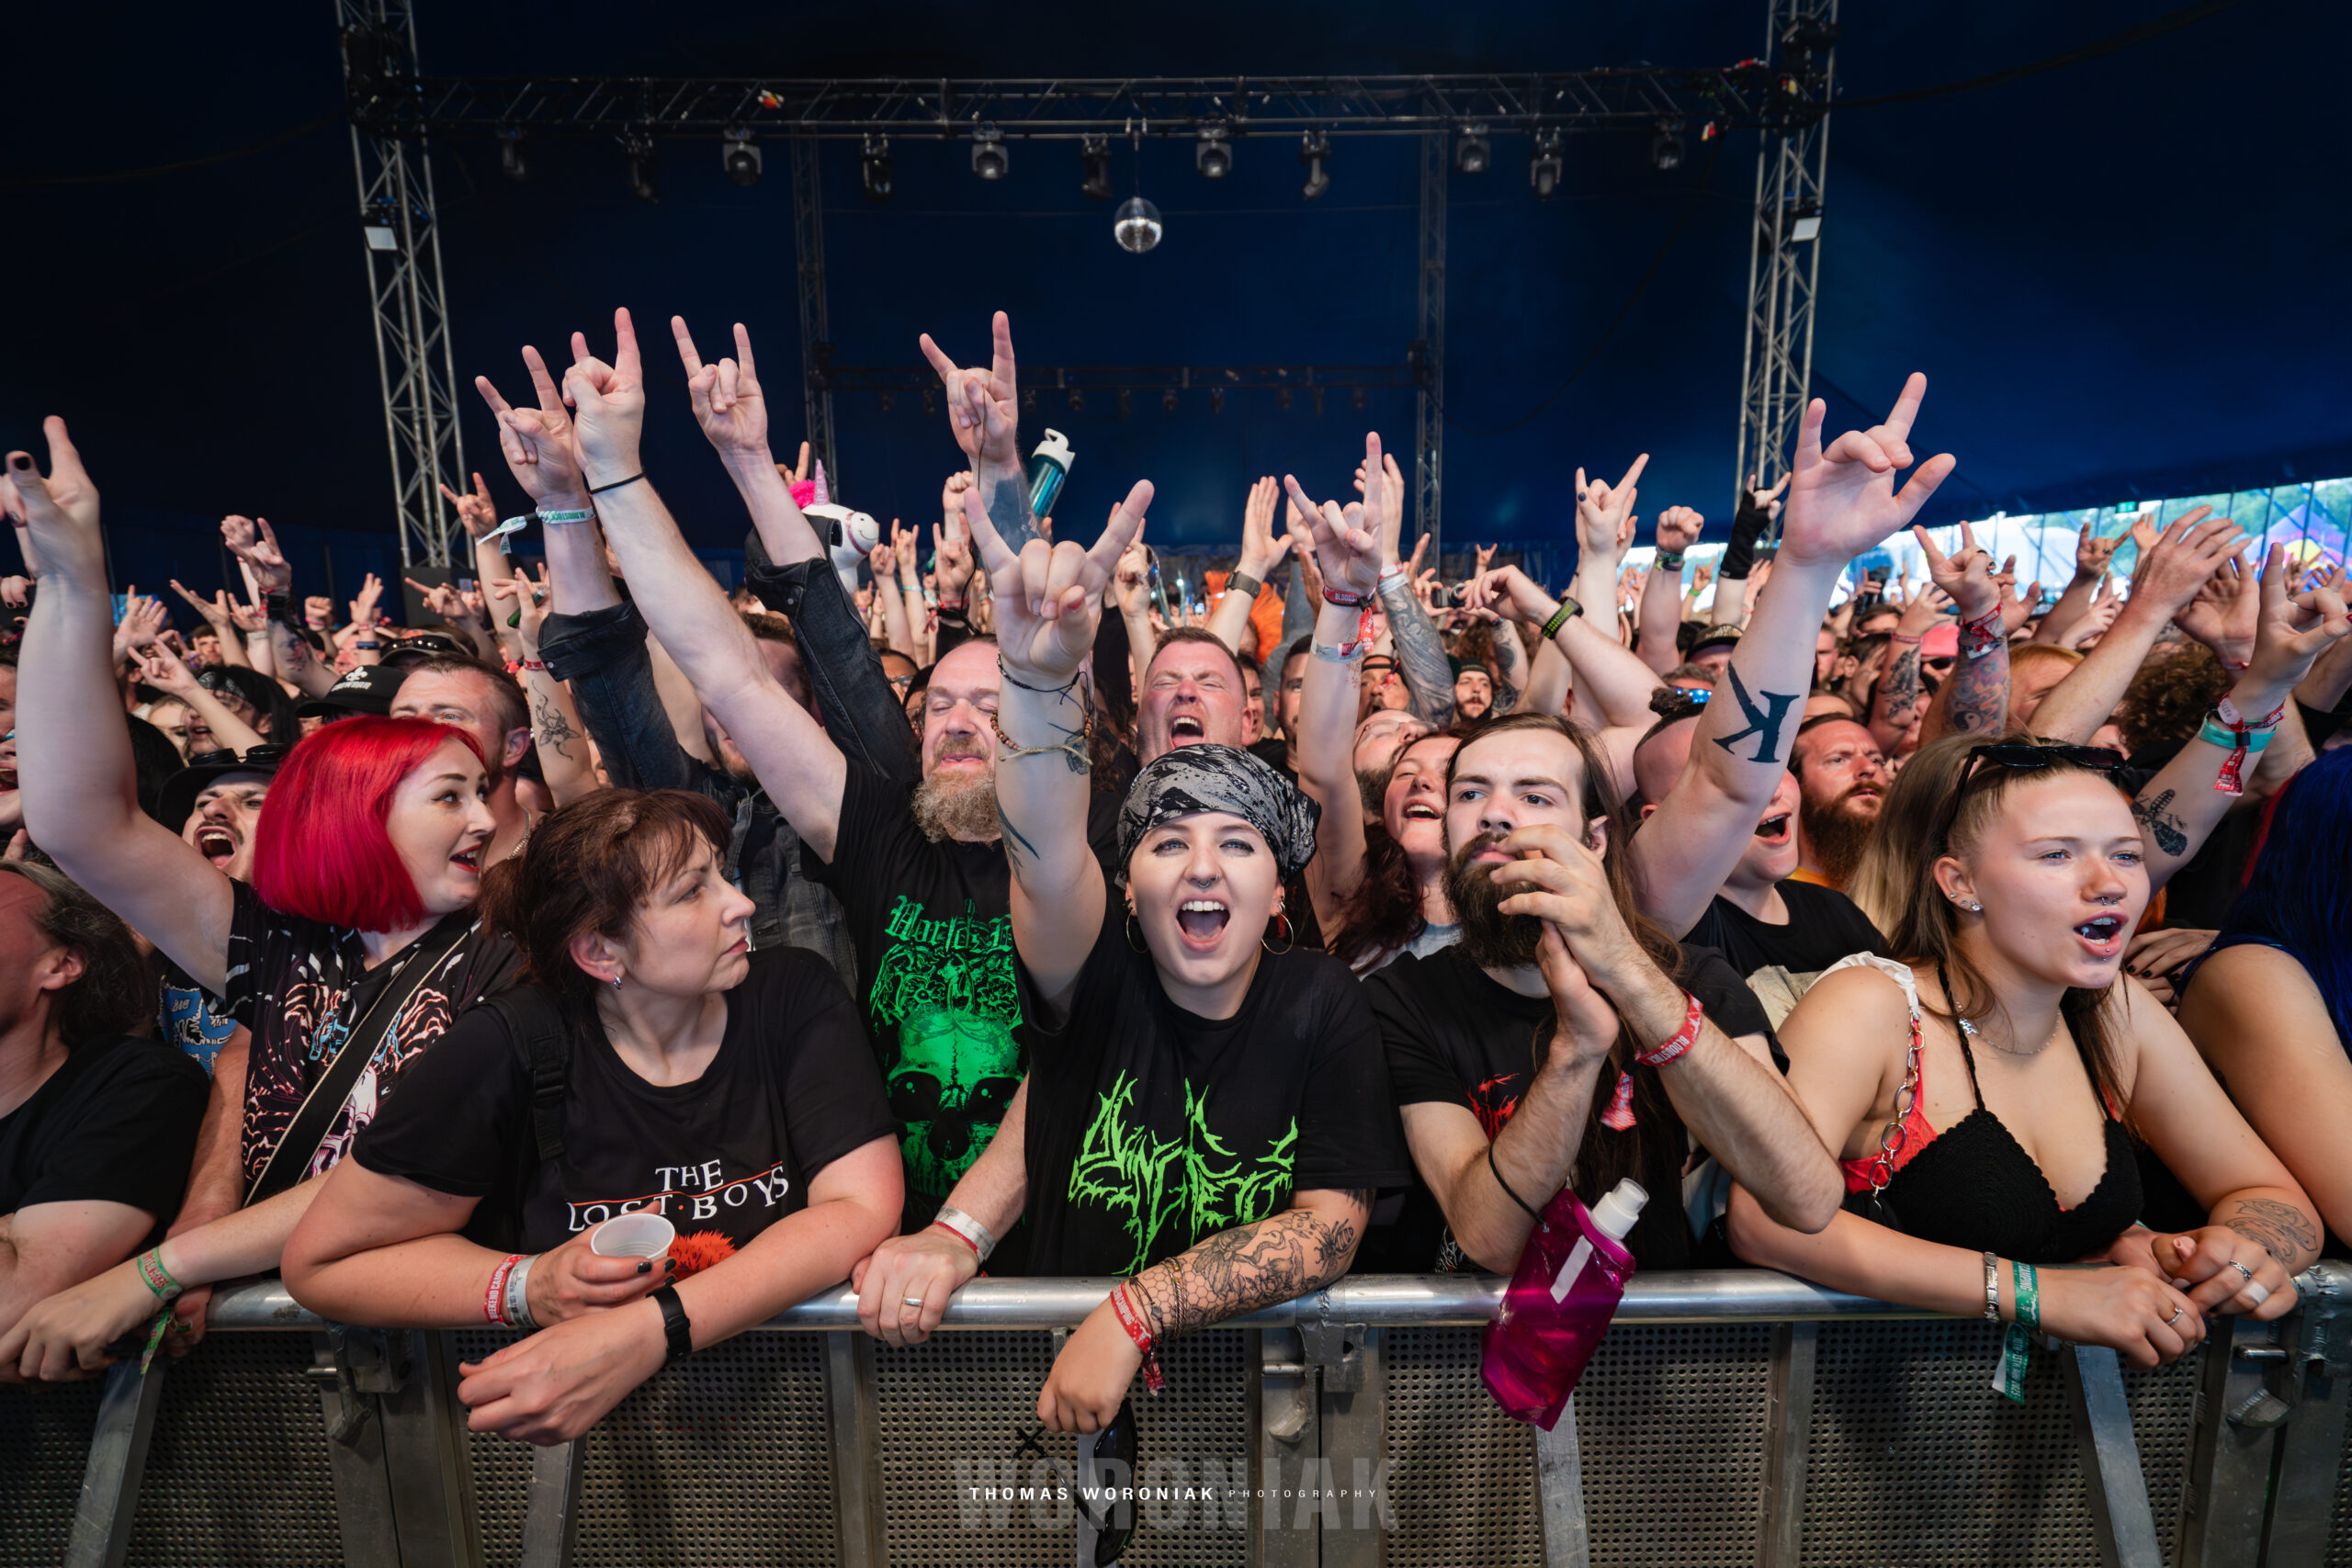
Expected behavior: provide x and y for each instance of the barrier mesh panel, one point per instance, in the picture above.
(237, 1470)
(1914, 1459)
(2339, 1533)
(502, 1469)
(1464, 1480)
(954, 1415)
(1671, 1428)
(45, 1438)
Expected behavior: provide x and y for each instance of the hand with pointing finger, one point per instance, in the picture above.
(1048, 598)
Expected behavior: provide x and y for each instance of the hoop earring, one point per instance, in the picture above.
(616, 982)
(1133, 934)
(1282, 928)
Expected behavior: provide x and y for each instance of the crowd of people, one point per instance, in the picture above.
(988, 907)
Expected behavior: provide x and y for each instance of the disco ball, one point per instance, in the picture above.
(1136, 225)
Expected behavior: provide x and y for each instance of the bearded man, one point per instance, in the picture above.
(1842, 778)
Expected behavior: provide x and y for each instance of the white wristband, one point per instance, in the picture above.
(517, 1303)
(970, 1229)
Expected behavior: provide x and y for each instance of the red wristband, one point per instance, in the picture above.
(1132, 1321)
(494, 1300)
(959, 1235)
(1347, 598)
(1683, 1039)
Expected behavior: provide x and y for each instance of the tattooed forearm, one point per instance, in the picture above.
(549, 727)
(2280, 1229)
(1897, 697)
(1240, 1270)
(1420, 654)
(2165, 828)
(1005, 498)
(1978, 702)
(1017, 847)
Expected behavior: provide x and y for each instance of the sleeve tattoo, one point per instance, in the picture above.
(1240, 1270)
(1979, 702)
(1420, 654)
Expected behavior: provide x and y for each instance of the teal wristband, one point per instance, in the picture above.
(557, 519)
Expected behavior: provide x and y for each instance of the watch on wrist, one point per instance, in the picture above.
(677, 1329)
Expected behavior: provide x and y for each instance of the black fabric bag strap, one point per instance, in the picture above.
(315, 1119)
(539, 1031)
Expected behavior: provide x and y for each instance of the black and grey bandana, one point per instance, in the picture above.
(1186, 780)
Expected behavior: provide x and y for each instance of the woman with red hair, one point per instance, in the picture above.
(353, 949)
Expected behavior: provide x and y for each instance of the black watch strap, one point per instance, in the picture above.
(676, 1326)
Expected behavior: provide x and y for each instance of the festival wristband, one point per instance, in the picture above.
(1569, 609)
(2241, 738)
(564, 516)
(517, 1296)
(1132, 1321)
(493, 1295)
(973, 1234)
(2017, 1344)
(1671, 561)
(1898, 636)
(1980, 635)
(513, 524)
(156, 1277)
(1682, 1041)
(1346, 598)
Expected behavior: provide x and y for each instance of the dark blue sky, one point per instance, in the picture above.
(2124, 274)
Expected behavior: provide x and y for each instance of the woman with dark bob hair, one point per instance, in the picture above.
(353, 948)
(677, 1074)
(1985, 1084)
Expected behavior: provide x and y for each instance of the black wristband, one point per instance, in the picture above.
(676, 1327)
(1506, 1185)
(599, 490)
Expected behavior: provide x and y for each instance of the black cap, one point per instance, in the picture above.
(368, 688)
(418, 646)
(178, 798)
(1718, 636)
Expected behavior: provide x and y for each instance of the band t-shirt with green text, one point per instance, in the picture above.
(1150, 1129)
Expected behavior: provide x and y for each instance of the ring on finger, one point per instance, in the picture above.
(2176, 1310)
(911, 1300)
(2243, 1269)
(2256, 1291)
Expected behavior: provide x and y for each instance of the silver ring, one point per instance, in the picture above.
(2176, 1310)
(2243, 1269)
(911, 1300)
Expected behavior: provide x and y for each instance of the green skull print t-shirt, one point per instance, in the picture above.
(1151, 1129)
(932, 922)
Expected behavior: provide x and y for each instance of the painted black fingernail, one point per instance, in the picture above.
(645, 1267)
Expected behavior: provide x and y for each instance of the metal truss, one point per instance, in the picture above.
(405, 292)
(1429, 352)
(1747, 94)
(1311, 382)
(1784, 266)
(816, 333)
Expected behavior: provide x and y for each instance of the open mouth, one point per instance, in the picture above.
(217, 845)
(1184, 726)
(468, 860)
(2103, 934)
(7, 778)
(1203, 921)
(1421, 811)
(1774, 829)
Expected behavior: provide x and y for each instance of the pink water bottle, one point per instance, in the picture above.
(1559, 1303)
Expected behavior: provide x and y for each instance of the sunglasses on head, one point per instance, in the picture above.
(2019, 756)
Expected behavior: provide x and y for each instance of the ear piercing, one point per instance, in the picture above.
(1971, 905)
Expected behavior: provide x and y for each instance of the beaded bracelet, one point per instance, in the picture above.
(1076, 747)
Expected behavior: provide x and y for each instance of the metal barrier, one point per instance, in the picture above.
(1740, 1417)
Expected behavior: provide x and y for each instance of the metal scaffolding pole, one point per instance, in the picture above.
(413, 359)
(1784, 266)
(816, 335)
(1429, 352)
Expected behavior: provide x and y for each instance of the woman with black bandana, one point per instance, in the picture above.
(1208, 1115)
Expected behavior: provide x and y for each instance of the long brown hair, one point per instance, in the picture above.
(1384, 913)
(1606, 1156)
(1925, 925)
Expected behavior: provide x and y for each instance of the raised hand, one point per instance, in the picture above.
(1766, 498)
(160, 668)
(1966, 574)
(2175, 567)
(539, 443)
(1605, 513)
(2226, 613)
(1842, 501)
(726, 396)
(1510, 594)
(2092, 555)
(950, 495)
(902, 548)
(799, 472)
(1262, 551)
(2099, 615)
(1678, 528)
(951, 552)
(143, 623)
(1048, 598)
(1484, 553)
(1348, 539)
(477, 514)
(442, 600)
(532, 603)
(2017, 610)
(364, 611)
(983, 406)
(2291, 630)
(56, 518)
(215, 609)
(881, 560)
(1131, 584)
(1302, 539)
(255, 544)
(1393, 500)
(2144, 527)
(608, 406)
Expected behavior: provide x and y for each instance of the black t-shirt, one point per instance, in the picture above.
(1455, 1035)
(115, 1123)
(1151, 1129)
(932, 926)
(302, 986)
(1780, 963)
(791, 1089)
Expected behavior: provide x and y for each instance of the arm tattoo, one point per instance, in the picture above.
(1979, 702)
(1898, 693)
(2280, 1229)
(1240, 1270)
(1007, 502)
(1420, 654)
(1765, 722)
(551, 730)
(1017, 847)
(2162, 826)
(293, 650)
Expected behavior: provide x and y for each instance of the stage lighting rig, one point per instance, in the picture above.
(642, 160)
(1472, 150)
(1136, 225)
(874, 168)
(1543, 165)
(1314, 152)
(1095, 157)
(1665, 146)
(740, 155)
(1212, 153)
(988, 159)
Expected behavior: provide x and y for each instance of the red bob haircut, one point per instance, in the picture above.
(320, 850)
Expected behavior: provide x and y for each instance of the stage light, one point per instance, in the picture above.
(1804, 222)
(1543, 165)
(1314, 152)
(989, 160)
(1212, 153)
(1217, 400)
(1076, 401)
(1472, 151)
(1665, 146)
(740, 155)
(511, 159)
(1095, 157)
(1168, 400)
(874, 168)
(1136, 225)
(641, 161)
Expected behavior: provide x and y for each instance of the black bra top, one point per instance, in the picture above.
(1974, 1186)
